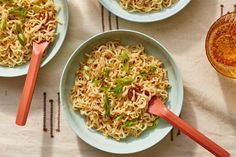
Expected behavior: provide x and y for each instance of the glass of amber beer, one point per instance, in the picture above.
(221, 45)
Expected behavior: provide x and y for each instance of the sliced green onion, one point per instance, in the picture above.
(152, 69)
(124, 59)
(155, 123)
(18, 11)
(117, 90)
(124, 56)
(126, 67)
(22, 42)
(107, 105)
(124, 81)
(105, 89)
(118, 118)
(143, 73)
(129, 124)
(106, 72)
(96, 81)
(20, 35)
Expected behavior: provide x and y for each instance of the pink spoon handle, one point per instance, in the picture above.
(30, 81)
(194, 134)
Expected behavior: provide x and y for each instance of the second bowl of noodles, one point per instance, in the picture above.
(107, 84)
(144, 10)
(25, 22)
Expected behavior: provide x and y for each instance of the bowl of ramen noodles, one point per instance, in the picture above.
(144, 10)
(221, 45)
(23, 22)
(107, 84)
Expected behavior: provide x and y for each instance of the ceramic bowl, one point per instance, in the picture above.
(63, 17)
(77, 122)
(114, 7)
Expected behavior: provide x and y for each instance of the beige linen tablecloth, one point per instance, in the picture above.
(209, 101)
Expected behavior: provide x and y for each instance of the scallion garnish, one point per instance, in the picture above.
(129, 124)
(106, 72)
(124, 56)
(118, 118)
(117, 90)
(19, 11)
(126, 67)
(155, 123)
(20, 35)
(107, 105)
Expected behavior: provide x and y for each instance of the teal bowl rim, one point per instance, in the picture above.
(68, 117)
(50, 57)
(146, 20)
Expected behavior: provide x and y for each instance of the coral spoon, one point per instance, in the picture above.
(157, 107)
(30, 81)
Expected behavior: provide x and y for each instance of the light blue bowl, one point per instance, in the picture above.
(53, 48)
(114, 7)
(96, 139)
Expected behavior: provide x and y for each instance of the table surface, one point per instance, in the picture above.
(209, 100)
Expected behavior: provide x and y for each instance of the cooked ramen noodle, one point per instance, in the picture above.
(23, 22)
(113, 87)
(146, 5)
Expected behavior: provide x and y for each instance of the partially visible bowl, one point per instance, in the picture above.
(114, 7)
(63, 17)
(131, 144)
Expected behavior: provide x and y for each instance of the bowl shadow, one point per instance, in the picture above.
(228, 86)
(10, 93)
